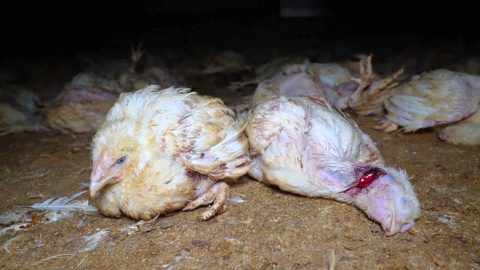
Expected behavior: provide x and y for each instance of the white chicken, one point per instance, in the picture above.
(345, 86)
(435, 98)
(19, 110)
(163, 150)
(269, 70)
(119, 76)
(466, 131)
(303, 144)
(79, 109)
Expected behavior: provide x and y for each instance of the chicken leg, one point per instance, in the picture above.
(369, 96)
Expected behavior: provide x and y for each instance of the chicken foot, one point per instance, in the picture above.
(136, 55)
(218, 194)
(369, 96)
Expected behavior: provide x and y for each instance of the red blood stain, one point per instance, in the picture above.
(368, 177)
(365, 179)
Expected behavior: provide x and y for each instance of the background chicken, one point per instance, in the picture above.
(124, 75)
(270, 69)
(435, 98)
(82, 102)
(345, 84)
(19, 110)
(466, 131)
(79, 109)
(163, 150)
(306, 146)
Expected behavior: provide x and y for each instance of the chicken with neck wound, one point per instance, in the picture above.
(304, 145)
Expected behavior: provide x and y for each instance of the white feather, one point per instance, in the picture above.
(92, 241)
(65, 204)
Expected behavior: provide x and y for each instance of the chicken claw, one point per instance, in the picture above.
(218, 194)
(136, 55)
(369, 96)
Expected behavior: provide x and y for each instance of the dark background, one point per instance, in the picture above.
(35, 30)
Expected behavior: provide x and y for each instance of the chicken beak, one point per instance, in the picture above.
(391, 223)
(392, 227)
(395, 222)
(98, 178)
(397, 226)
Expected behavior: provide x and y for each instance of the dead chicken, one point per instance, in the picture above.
(269, 70)
(209, 63)
(79, 109)
(348, 87)
(433, 98)
(466, 131)
(226, 61)
(164, 150)
(304, 145)
(118, 77)
(19, 110)
(343, 84)
(86, 100)
(438, 97)
(83, 103)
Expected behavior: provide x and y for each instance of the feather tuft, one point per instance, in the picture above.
(92, 241)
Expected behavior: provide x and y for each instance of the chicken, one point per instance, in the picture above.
(164, 150)
(19, 110)
(269, 70)
(304, 145)
(75, 109)
(341, 86)
(434, 98)
(226, 61)
(117, 76)
(334, 80)
(79, 109)
(466, 131)
(368, 97)
(82, 104)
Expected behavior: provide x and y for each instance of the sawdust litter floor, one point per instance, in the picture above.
(270, 229)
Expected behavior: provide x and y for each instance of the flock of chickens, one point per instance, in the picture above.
(163, 147)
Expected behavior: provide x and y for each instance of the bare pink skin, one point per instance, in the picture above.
(387, 196)
(86, 93)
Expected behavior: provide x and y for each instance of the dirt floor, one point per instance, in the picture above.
(263, 228)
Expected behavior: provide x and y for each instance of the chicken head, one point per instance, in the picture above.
(387, 197)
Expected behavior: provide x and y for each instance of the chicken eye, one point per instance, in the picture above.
(121, 160)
